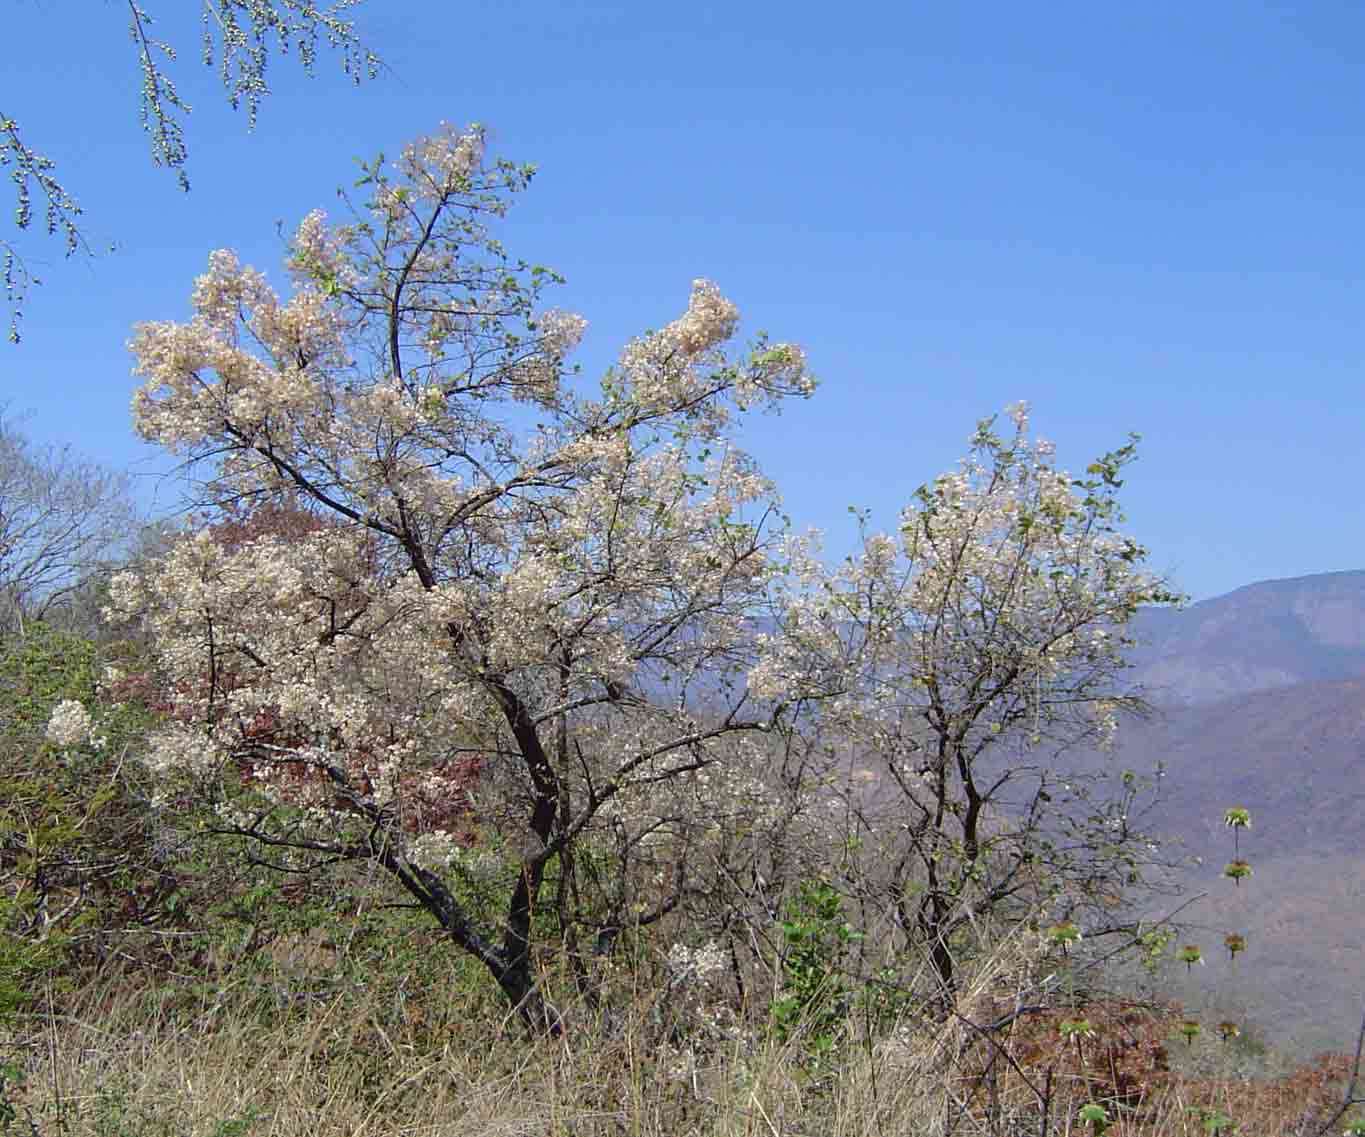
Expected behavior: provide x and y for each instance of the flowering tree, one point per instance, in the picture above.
(506, 568)
(971, 653)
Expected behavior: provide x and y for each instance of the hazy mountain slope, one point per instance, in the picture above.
(1262, 704)
(1294, 756)
(1301, 981)
(1273, 634)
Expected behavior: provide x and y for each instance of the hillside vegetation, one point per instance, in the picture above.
(487, 752)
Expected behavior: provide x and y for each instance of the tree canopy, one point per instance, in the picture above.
(550, 601)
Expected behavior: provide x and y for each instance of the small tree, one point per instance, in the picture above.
(62, 520)
(971, 654)
(555, 583)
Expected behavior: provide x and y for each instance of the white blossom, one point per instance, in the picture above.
(695, 965)
(478, 559)
(70, 724)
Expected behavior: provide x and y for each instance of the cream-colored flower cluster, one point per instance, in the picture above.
(1002, 604)
(444, 160)
(696, 964)
(70, 724)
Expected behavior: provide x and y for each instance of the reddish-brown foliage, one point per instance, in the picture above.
(1124, 1062)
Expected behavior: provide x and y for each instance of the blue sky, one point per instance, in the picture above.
(1138, 218)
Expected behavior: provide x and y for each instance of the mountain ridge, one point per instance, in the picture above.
(1262, 636)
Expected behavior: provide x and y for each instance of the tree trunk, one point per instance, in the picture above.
(535, 1011)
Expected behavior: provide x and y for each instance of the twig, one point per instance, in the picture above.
(1350, 1098)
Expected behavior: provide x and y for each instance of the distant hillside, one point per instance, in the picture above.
(1274, 634)
(1294, 756)
(1261, 697)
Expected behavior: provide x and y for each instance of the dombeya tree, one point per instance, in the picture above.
(972, 651)
(551, 580)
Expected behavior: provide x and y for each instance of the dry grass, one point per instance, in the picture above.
(232, 1062)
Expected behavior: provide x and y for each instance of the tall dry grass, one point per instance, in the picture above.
(241, 1058)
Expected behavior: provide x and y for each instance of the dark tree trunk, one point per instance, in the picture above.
(538, 1015)
(511, 969)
